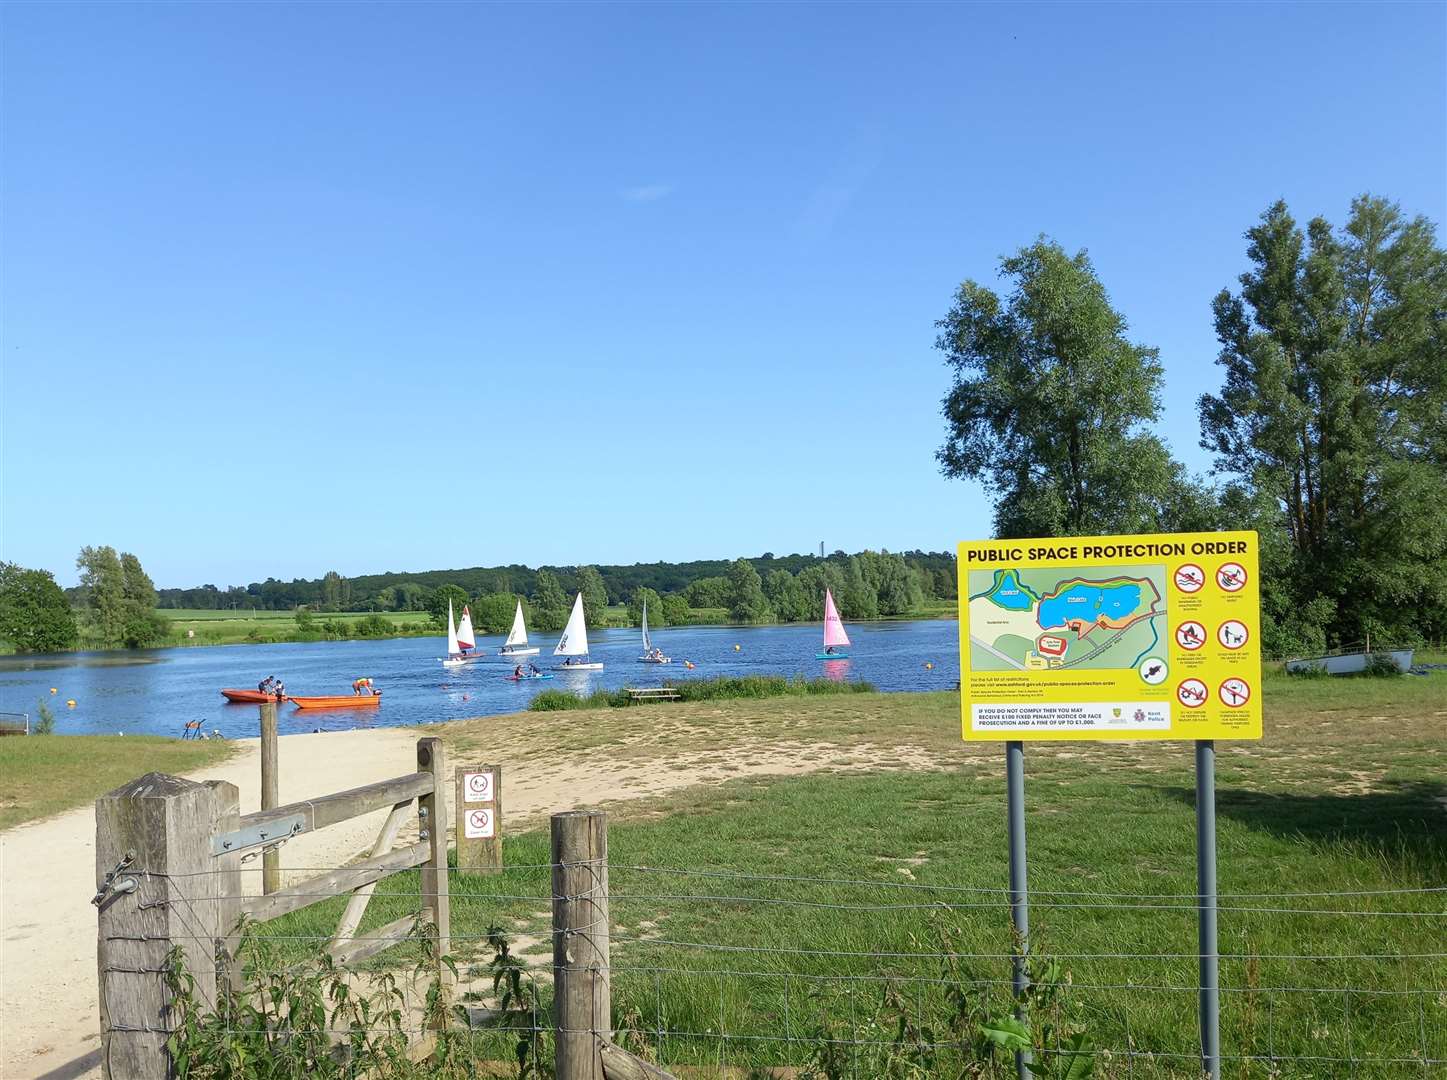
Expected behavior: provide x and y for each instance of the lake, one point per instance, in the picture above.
(156, 691)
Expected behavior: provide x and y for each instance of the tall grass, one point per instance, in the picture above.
(724, 687)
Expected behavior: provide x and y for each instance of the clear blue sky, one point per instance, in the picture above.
(293, 288)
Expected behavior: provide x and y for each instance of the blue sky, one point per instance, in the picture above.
(294, 288)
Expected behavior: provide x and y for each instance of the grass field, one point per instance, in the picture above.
(781, 911)
(41, 775)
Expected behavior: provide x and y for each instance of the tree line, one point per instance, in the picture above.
(414, 591)
(1329, 430)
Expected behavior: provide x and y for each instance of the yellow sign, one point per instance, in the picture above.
(1111, 637)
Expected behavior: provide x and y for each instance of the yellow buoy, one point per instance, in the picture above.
(52, 689)
(70, 704)
(736, 648)
(929, 667)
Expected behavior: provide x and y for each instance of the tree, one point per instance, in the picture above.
(34, 614)
(595, 595)
(1334, 408)
(813, 580)
(1050, 401)
(438, 601)
(656, 615)
(410, 596)
(709, 592)
(857, 600)
(493, 613)
(102, 586)
(676, 610)
(747, 603)
(550, 603)
(336, 592)
(786, 597)
(142, 627)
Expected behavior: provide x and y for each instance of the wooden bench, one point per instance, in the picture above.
(652, 693)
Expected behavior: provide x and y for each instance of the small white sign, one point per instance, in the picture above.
(477, 787)
(478, 825)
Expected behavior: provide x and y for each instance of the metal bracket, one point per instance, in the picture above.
(258, 835)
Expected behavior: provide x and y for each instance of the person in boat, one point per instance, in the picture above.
(829, 650)
(264, 686)
(278, 688)
(363, 686)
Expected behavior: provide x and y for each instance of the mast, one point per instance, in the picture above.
(647, 643)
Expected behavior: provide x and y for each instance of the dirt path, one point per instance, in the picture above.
(48, 874)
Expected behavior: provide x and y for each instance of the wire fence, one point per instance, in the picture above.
(735, 972)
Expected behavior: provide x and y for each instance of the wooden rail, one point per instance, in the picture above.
(332, 809)
(335, 882)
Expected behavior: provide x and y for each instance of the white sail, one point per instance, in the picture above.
(452, 649)
(647, 641)
(574, 641)
(464, 628)
(519, 633)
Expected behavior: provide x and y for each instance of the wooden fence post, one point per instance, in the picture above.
(157, 887)
(228, 891)
(270, 794)
(432, 812)
(582, 1008)
(477, 799)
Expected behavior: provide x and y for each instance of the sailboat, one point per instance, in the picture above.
(460, 645)
(574, 643)
(835, 639)
(651, 655)
(517, 638)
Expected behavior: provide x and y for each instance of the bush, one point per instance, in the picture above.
(44, 719)
(372, 626)
(749, 686)
(1380, 666)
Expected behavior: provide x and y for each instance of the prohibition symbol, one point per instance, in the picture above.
(479, 824)
(1189, 577)
(1231, 576)
(478, 786)
(1190, 635)
(1232, 634)
(1192, 693)
(1235, 693)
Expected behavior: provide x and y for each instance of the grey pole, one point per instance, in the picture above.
(1206, 910)
(1019, 901)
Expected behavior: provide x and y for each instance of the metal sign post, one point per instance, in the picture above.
(1114, 637)
(1019, 882)
(1210, 1003)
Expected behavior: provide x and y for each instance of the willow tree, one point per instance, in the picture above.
(1051, 403)
(1333, 406)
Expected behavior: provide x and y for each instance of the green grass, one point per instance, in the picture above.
(41, 775)
(1344, 794)
(718, 689)
(267, 627)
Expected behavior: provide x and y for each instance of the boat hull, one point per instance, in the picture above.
(655, 659)
(525, 651)
(470, 658)
(250, 697)
(339, 701)
(831, 656)
(527, 678)
(1351, 663)
(578, 667)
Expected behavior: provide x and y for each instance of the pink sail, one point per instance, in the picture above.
(833, 628)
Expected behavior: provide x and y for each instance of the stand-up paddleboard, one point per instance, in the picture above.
(835, 638)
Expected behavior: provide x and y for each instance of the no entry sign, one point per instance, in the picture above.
(1111, 637)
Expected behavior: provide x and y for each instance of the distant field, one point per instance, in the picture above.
(194, 615)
